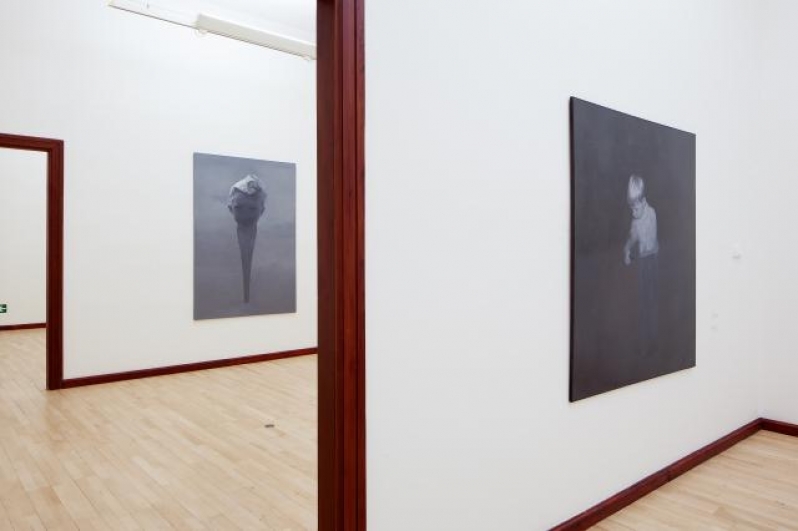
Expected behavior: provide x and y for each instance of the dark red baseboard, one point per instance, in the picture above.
(784, 428)
(29, 326)
(626, 497)
(186, 367)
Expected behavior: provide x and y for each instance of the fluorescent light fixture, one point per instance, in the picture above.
(275, 41)
(217, 26)
(149, 10)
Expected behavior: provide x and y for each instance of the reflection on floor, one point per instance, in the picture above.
(189, 451)
(752, 486)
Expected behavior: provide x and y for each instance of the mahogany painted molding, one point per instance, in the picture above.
(29, 326)
(341, 228)
(626, 497)
(55, 247)
(785, 428)
(186, 367)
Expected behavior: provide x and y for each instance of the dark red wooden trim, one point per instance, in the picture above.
(55, 247)
(626, 497)
(186, 367)
(28, 326)
(778, 426)
(341, 163)
(711, 450)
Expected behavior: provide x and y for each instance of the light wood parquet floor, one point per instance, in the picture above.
(753, 486)
(187, 451)
(192, 451)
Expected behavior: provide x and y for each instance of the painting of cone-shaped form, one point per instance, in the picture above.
(244, 237)
(247, 203)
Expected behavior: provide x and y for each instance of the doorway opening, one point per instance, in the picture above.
(341, 255)
(54, 150)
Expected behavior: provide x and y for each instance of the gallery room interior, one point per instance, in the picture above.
(348, 264)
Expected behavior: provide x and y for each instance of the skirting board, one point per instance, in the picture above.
(4, 328)
(626, 497)
(187, 367)
(785, 428)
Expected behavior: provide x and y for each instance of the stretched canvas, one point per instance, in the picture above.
(244, 237)
(633, 249)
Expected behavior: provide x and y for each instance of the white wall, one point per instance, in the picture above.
(469, 424)
(23, 236)
(773, 318)
(134, 98)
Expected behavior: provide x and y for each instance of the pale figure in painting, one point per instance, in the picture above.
(642, 247)
(247, 204)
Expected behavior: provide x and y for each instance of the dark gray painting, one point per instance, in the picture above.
(633, 250)
(244, 237)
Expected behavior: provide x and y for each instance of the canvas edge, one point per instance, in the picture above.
(572, 295)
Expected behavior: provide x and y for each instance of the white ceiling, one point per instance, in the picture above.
(294, 18)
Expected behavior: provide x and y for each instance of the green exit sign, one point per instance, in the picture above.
(3, 308)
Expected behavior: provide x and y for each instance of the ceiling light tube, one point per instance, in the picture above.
(224, 28)
(267, 39)
(149, 10)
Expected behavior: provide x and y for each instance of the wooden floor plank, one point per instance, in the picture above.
(753, 486)
(188, 451)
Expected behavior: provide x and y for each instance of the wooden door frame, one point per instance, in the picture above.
(341, 225)
(341, 238)
(55, 247)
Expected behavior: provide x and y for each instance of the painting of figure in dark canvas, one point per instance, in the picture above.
(633, 250)
(244, 237)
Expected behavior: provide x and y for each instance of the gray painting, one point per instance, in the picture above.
(633, 250)
(244, 237)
